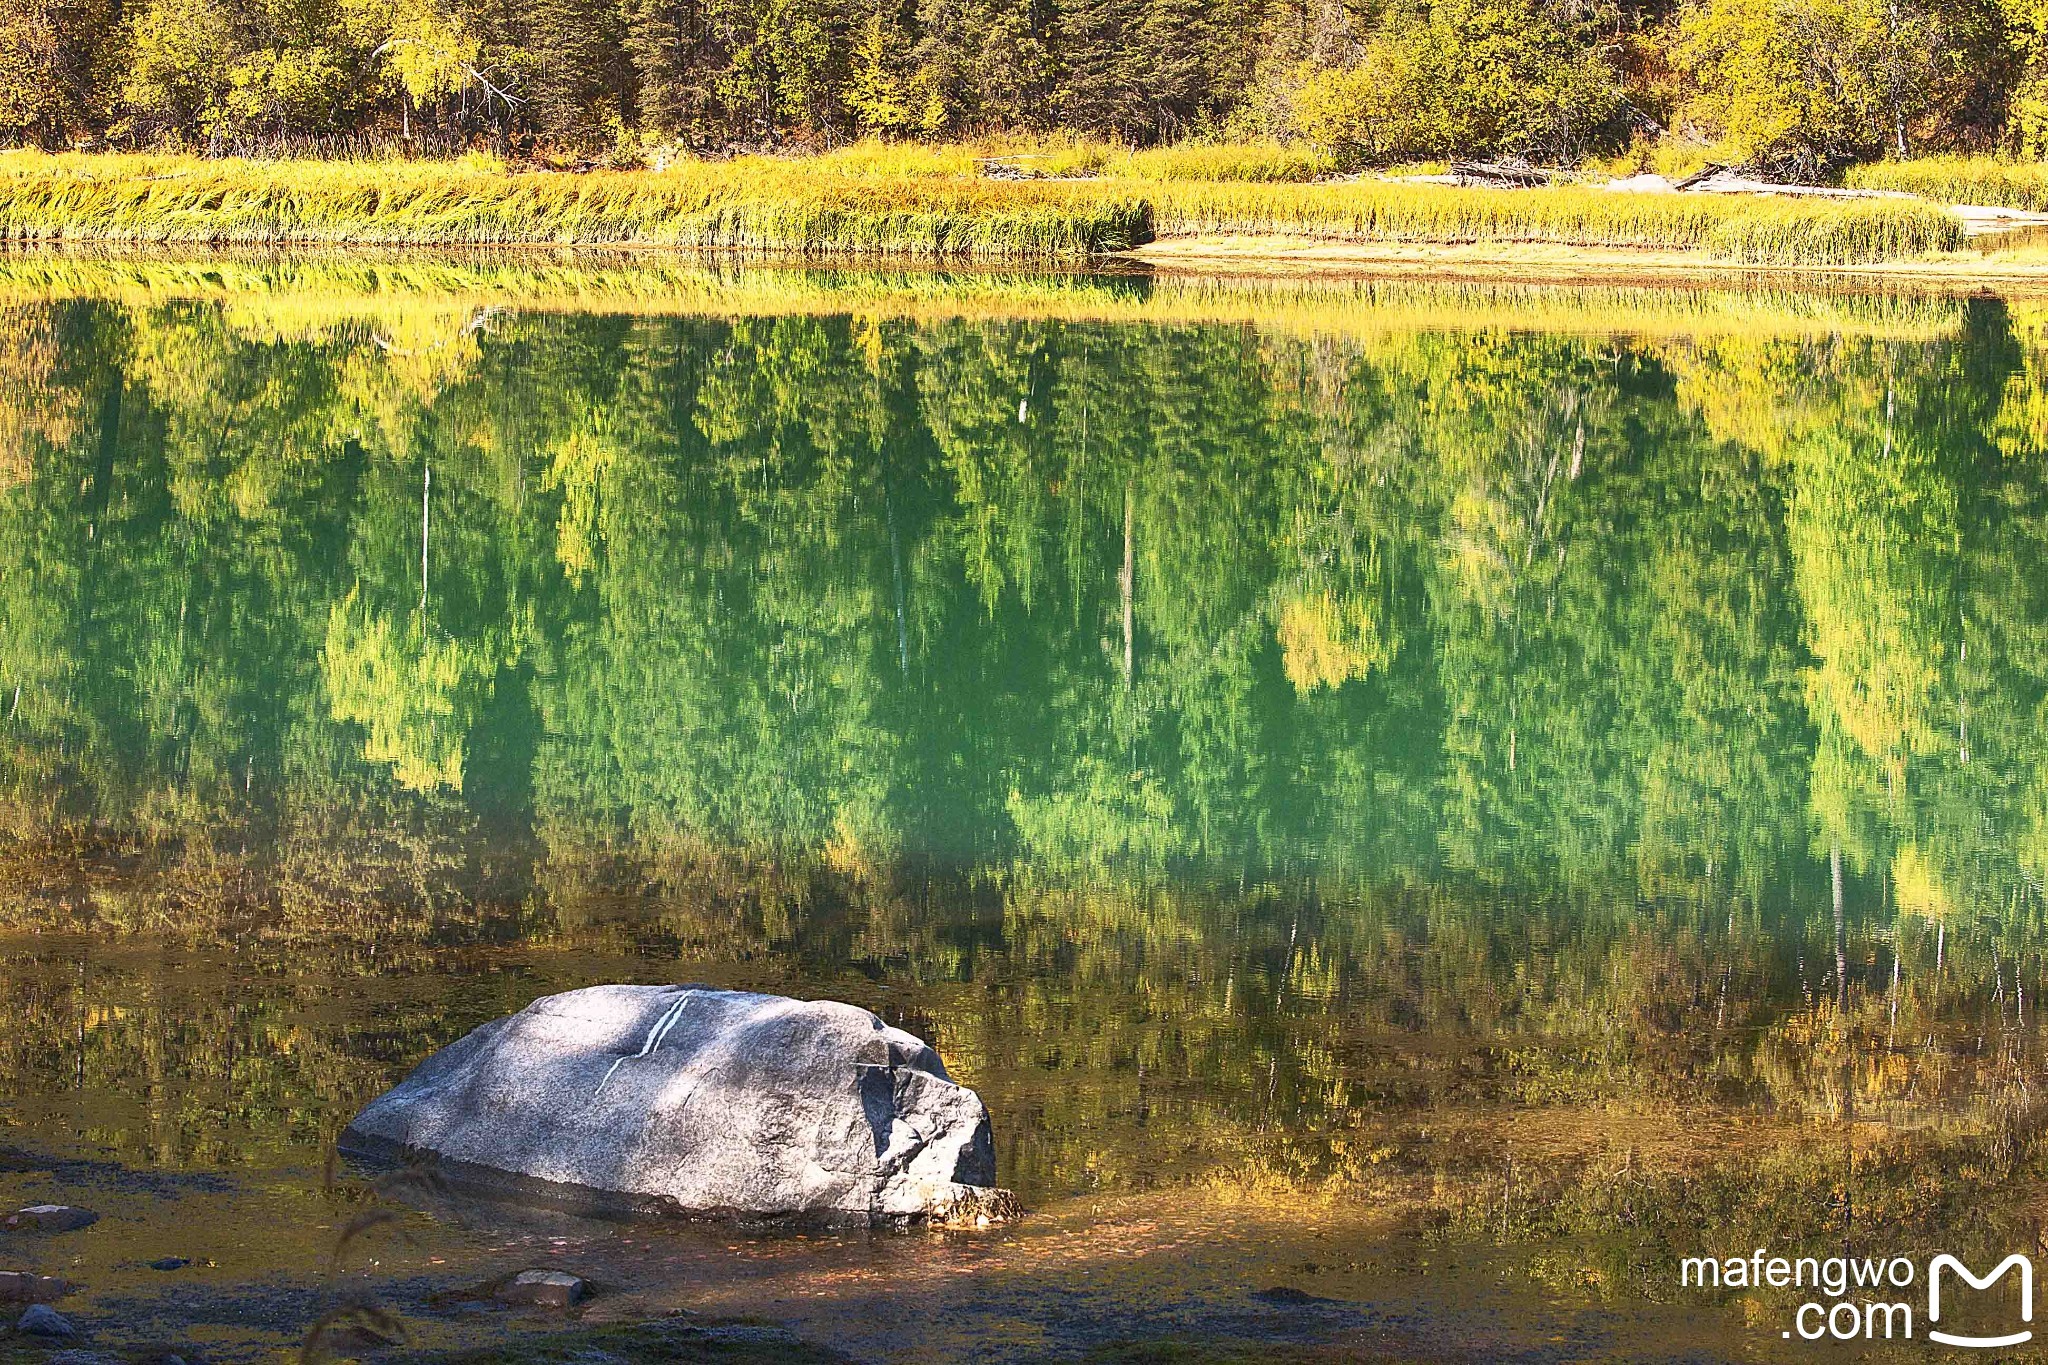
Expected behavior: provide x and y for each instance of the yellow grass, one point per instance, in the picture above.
(1961, 180)
(753, 204)
(928, 203)
(1750, 230)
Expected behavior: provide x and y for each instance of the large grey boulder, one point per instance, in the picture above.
(697, 1101)
(41, 1320)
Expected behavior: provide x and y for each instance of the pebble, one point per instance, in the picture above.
(49, 1218)
(170, 1263)
(544, 1289)
(41, 1320)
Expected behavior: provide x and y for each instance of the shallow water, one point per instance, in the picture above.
(1441, 799)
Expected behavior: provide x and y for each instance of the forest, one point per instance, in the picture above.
(1793, 86)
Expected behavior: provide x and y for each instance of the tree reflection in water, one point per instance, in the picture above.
(1407, 751)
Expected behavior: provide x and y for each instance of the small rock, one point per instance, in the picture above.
(1288, 1296)
(49, 1218)
(21, 1286)
(544, 1289)
(41, 1320)
(170, 1263)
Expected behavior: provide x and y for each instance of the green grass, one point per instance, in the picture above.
(1961, 180)
(907, 202)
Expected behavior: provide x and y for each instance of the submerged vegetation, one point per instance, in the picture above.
(847, 203)
(671, 1342)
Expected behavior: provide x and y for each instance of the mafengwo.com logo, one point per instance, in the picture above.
(1862, 1298)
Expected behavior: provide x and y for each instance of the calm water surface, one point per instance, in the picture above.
(1391, 781)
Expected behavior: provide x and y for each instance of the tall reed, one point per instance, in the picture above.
(1960, 180)
(902, 202)
(755, 204)
(1755, 230)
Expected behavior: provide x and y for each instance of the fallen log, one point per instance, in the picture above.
(1501, 174)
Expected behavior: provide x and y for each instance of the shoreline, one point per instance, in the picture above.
(441, 292)
(2008, 271)
(1215, 258)
(820, 210)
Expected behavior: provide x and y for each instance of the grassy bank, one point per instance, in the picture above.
(1747, 230)
(911, 203)
(1960, 180)
(755, 205)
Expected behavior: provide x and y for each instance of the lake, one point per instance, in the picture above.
(1417, 805)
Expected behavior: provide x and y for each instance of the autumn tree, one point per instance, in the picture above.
(55, 60)
(1805, 86)
(1469, 77)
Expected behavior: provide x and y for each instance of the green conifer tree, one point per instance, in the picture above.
(1099, 70)
(579, 73)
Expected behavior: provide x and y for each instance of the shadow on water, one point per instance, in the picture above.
(1415, 814)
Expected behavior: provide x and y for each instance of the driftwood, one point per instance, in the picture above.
(1501, 174)
(1706, 172)
(1007, 167)
(1726, 180)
